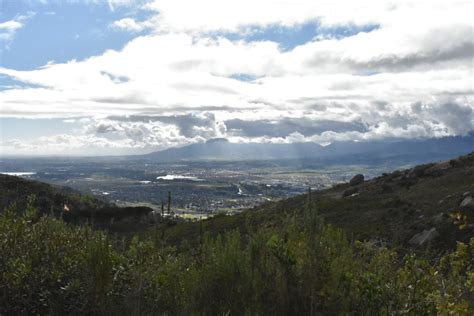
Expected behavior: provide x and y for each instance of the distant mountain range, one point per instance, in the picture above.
(416, 150)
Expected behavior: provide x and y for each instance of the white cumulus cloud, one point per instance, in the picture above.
(8, 29)
(190, 80)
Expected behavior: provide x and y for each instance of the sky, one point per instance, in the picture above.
(113, 77)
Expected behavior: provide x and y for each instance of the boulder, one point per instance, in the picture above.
(424, 237)
(418, 171)
(440, 219)
(357, 179)
(350, 192)
(467, 203)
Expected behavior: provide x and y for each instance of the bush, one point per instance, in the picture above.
(49, 267)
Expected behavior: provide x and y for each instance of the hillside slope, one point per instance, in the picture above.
(67, 203)
(284, 261)
(415, 207)
(397, 206)
(391, 209)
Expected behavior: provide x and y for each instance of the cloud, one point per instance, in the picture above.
(233, 16)
(198, 127)
(455, 118)
(392, 50)
(287, 126)
(130, 25)
(8, 29)
(189, 78)
(138, 134)
(214, 15)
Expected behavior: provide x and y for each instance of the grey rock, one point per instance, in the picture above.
(441, 218)
(466, 203)
(465, 194)
(357, 179)
(424, 237)
(418, 171)
(349, 192)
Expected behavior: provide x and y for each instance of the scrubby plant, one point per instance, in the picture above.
(307, 267)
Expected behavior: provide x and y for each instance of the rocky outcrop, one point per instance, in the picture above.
(357, 179)
(350, 192)
(441, 219)
(467, 203)
(424, 237)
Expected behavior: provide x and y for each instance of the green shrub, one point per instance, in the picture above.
(50, 267)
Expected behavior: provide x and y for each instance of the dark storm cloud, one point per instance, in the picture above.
(186, 123)
(287, 126)
(418, 120)
(459, 118)
(458, 46)
(103, 128)
(126, 99)
(462, 51)
(381, 105)
(317, 107)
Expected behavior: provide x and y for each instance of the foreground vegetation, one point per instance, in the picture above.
(307, 267)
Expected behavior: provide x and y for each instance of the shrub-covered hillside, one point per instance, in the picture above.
(398, 244)
(428, 206)
(70, 205)
(395, 207)
(305, 267)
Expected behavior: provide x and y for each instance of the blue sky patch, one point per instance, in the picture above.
(59, 33)
(288, 37)
(244, 77)
(7, 83)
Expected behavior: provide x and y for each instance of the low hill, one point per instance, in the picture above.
(67, 203)
(425, 205)
(277, 259)
(430, 204)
